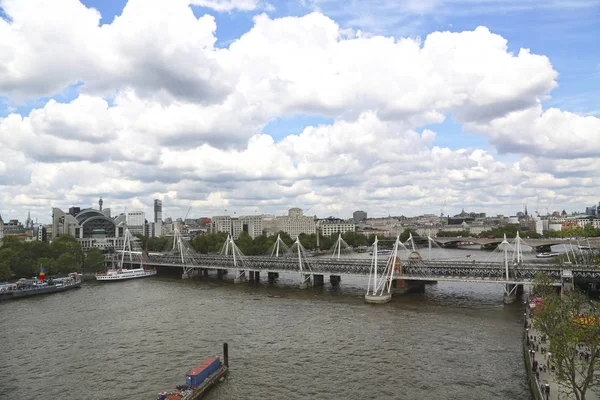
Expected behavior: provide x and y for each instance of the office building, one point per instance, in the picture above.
(359, 216)
(293, 224)
(328, 227)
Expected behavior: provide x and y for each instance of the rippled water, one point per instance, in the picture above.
(133, 339)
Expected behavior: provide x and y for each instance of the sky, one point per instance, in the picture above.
(248, 106)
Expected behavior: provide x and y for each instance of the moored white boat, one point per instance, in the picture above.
(547, 255)
(119, 273)
(122, 274)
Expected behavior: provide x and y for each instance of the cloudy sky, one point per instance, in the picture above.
(393, 107)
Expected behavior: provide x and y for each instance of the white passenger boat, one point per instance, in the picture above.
(547, 255)
(122, 274)
(135, 259)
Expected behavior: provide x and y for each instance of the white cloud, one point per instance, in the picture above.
(158, 47)
(185, 119)
(227, 5)
(550, 133)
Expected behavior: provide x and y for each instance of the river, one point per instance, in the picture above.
(133, 339)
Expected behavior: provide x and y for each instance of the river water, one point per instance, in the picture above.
(133, 339)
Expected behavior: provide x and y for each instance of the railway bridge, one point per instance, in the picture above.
(400, 271)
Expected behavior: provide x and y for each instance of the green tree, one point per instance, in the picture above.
(5, 271)
(157, 244)
(406, 234)
(454, 233)
(12, 242)
(49, 264)
(18, 261)
(143, 240)
(245, 244)
(287, 239)
(355, 239)
(67, 262)
(209, 242)
(67, 244)
(94, 261)
(559, 318)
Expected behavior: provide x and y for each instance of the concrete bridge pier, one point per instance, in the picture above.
(510, 293)
(220, 273)
(306, 282)
(271, 276)
(335, 280)
(190, 274)
(378, 298)
(318, 280)
(240, 278)
(205, 272)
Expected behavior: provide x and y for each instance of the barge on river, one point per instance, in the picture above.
(36, 286)
(200, 379)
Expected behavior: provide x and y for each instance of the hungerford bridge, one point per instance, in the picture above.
(398, 271)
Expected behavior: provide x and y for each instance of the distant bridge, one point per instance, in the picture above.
(491, 243)
(402, 270)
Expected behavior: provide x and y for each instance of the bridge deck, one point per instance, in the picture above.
(438, 270)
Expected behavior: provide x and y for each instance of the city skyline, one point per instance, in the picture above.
(256, 107)
(149, 214)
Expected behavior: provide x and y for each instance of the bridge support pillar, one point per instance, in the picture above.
(318, 280)
(335, 280)
(272, 276)
(241, 277)
(220, 274)
(510, 293)
(378, 298)
(305, 283)
(205, 272)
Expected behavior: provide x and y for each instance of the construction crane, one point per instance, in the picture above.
(184, 224)
(551, 206)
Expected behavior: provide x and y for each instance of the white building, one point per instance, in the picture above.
(594, 222)
(136, 218)
(293, 224)
(329, 227)
(541, 225)
(136, 221)
(555, 227)
(252, 224)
